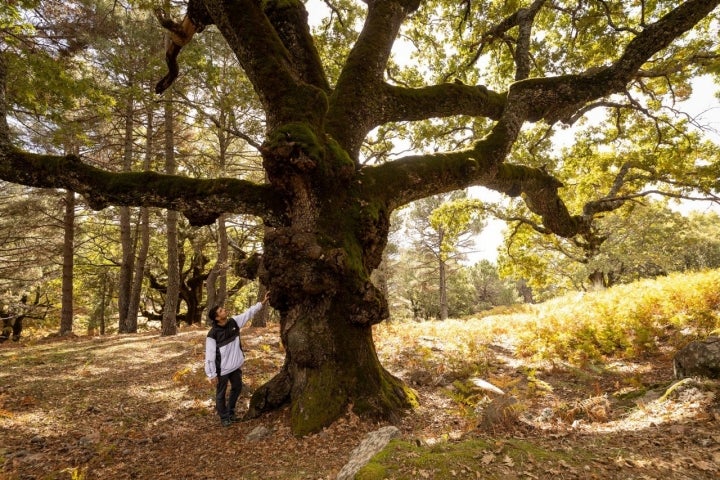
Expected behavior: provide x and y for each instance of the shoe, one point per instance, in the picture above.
(235, 419)
(226, 422)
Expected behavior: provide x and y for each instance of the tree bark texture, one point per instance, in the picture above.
(127, 246)
(172, 294)
(66, 315)
(326, 214)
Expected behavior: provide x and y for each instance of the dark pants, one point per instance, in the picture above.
(227, 409)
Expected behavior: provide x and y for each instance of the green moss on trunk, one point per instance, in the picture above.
(330, 390)
(321, 402)
(352, 376)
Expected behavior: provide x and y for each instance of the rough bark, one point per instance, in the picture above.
(331, 365)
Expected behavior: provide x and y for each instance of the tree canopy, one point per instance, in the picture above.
(477, 103)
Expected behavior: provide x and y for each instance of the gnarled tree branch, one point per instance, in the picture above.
(269, 65)
(444, 100)
(355, 100)
(533, 100)
(200, 200)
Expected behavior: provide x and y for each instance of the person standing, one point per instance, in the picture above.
(224, 357)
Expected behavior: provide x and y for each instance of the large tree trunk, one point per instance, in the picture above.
(317, 265)
(330, 366)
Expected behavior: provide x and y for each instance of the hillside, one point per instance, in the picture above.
(138, 406)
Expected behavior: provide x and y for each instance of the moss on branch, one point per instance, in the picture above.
(200, 200)
(443, 100)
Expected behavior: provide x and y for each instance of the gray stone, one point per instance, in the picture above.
(258, 433)
(698, 358)
(361, 455)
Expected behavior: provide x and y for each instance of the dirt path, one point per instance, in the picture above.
(139, 407)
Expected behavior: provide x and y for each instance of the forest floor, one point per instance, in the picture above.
(139, 407)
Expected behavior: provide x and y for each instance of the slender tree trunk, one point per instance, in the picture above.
(125, 277)
(126, 243)
(143, 234)
(108, 291)
(217, 278)
(442, 269)
(169, 321)
(103, 305)
(443, 290)
(261, 318)
(66, 316)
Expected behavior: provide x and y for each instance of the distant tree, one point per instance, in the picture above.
(640, 241)
(31, 249)
(489, 289)
(416, 289)
(442, 228)
(68, 257)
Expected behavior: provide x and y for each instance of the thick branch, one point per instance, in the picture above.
(267, 62)
(200, 200)
(416, 177)
(448, 99)
(540, 193)
(290, 22)
(558, 98)
(355, 100)
(526, 18)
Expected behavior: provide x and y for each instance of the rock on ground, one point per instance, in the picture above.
(698, 358)
(361, 455)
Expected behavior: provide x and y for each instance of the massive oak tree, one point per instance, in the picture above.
(327, 211)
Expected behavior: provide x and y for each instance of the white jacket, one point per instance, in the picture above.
(225, 343)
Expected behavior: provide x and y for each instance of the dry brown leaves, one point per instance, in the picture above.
(138, 406)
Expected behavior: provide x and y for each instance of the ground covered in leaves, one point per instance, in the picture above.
(138, 406)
